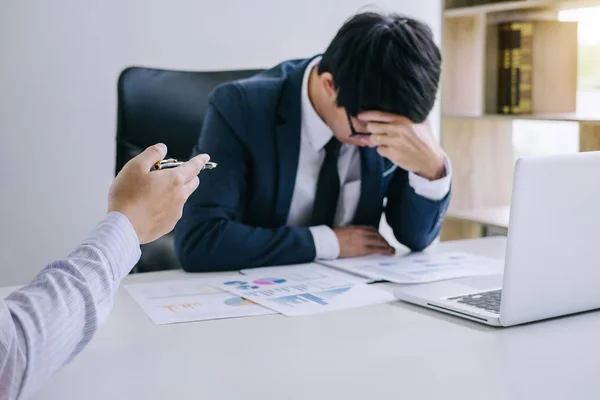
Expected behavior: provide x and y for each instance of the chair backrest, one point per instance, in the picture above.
(157, 105)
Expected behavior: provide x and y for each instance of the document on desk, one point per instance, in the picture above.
(177, 301)
(308, 271)
(419, 267)
(295, 295)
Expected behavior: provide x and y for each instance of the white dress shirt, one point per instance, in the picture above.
(44, 325)
(314, 136)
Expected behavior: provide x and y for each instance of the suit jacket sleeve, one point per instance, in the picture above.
(415, 220)
(211, 235)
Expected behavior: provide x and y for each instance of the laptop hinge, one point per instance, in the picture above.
(457, 312)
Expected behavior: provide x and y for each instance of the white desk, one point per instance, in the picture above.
(391, 351)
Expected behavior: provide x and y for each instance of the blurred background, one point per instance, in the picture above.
(520, 77)
(60, 61)
(542, 137)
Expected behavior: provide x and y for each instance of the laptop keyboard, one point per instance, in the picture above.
(489, 301)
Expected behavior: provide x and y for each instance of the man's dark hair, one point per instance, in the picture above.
(384, 62)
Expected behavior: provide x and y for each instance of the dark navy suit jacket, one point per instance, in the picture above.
(237, 217)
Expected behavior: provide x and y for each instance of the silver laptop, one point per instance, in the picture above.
(552, 261)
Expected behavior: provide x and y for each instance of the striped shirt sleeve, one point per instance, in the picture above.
(49, 321)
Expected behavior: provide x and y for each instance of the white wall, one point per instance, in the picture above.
(59, 61)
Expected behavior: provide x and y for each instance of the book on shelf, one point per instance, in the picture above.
(515, 40)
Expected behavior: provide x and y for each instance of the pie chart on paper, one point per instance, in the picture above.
(264, 282)
(238, 301)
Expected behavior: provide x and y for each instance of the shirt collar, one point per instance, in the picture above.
(314, 129)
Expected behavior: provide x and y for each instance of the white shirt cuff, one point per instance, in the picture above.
(432, 190)
(326, 242)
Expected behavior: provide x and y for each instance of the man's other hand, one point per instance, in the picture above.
(358, 241)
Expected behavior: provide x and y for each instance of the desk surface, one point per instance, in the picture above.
(379, 352)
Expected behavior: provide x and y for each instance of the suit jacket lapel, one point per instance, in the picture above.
(287, 142)
(369, 205)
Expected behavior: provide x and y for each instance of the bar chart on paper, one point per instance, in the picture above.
(310, 296)
(320, 298)
(300, 299)
(419, 267)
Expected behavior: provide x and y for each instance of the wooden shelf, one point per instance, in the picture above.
(567, 117)
(477, 140)
(489, 216)
(470, 224)
(470, 50)
(522, 5)
(498, 7)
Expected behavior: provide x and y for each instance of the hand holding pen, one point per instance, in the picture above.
(153, 201)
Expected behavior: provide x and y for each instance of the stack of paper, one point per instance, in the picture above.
(294, 296)
(300, 289)
(419, 267)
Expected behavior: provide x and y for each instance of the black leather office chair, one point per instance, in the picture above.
(156, 105)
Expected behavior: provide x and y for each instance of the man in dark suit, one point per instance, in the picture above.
(309, 150)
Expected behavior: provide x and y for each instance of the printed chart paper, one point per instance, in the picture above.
(293, 297)
(190, 300)
(420, 267)
(302, 272)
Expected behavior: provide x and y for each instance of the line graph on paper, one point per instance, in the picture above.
(171, 302)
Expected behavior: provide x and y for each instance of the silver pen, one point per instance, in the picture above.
(172, 163)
